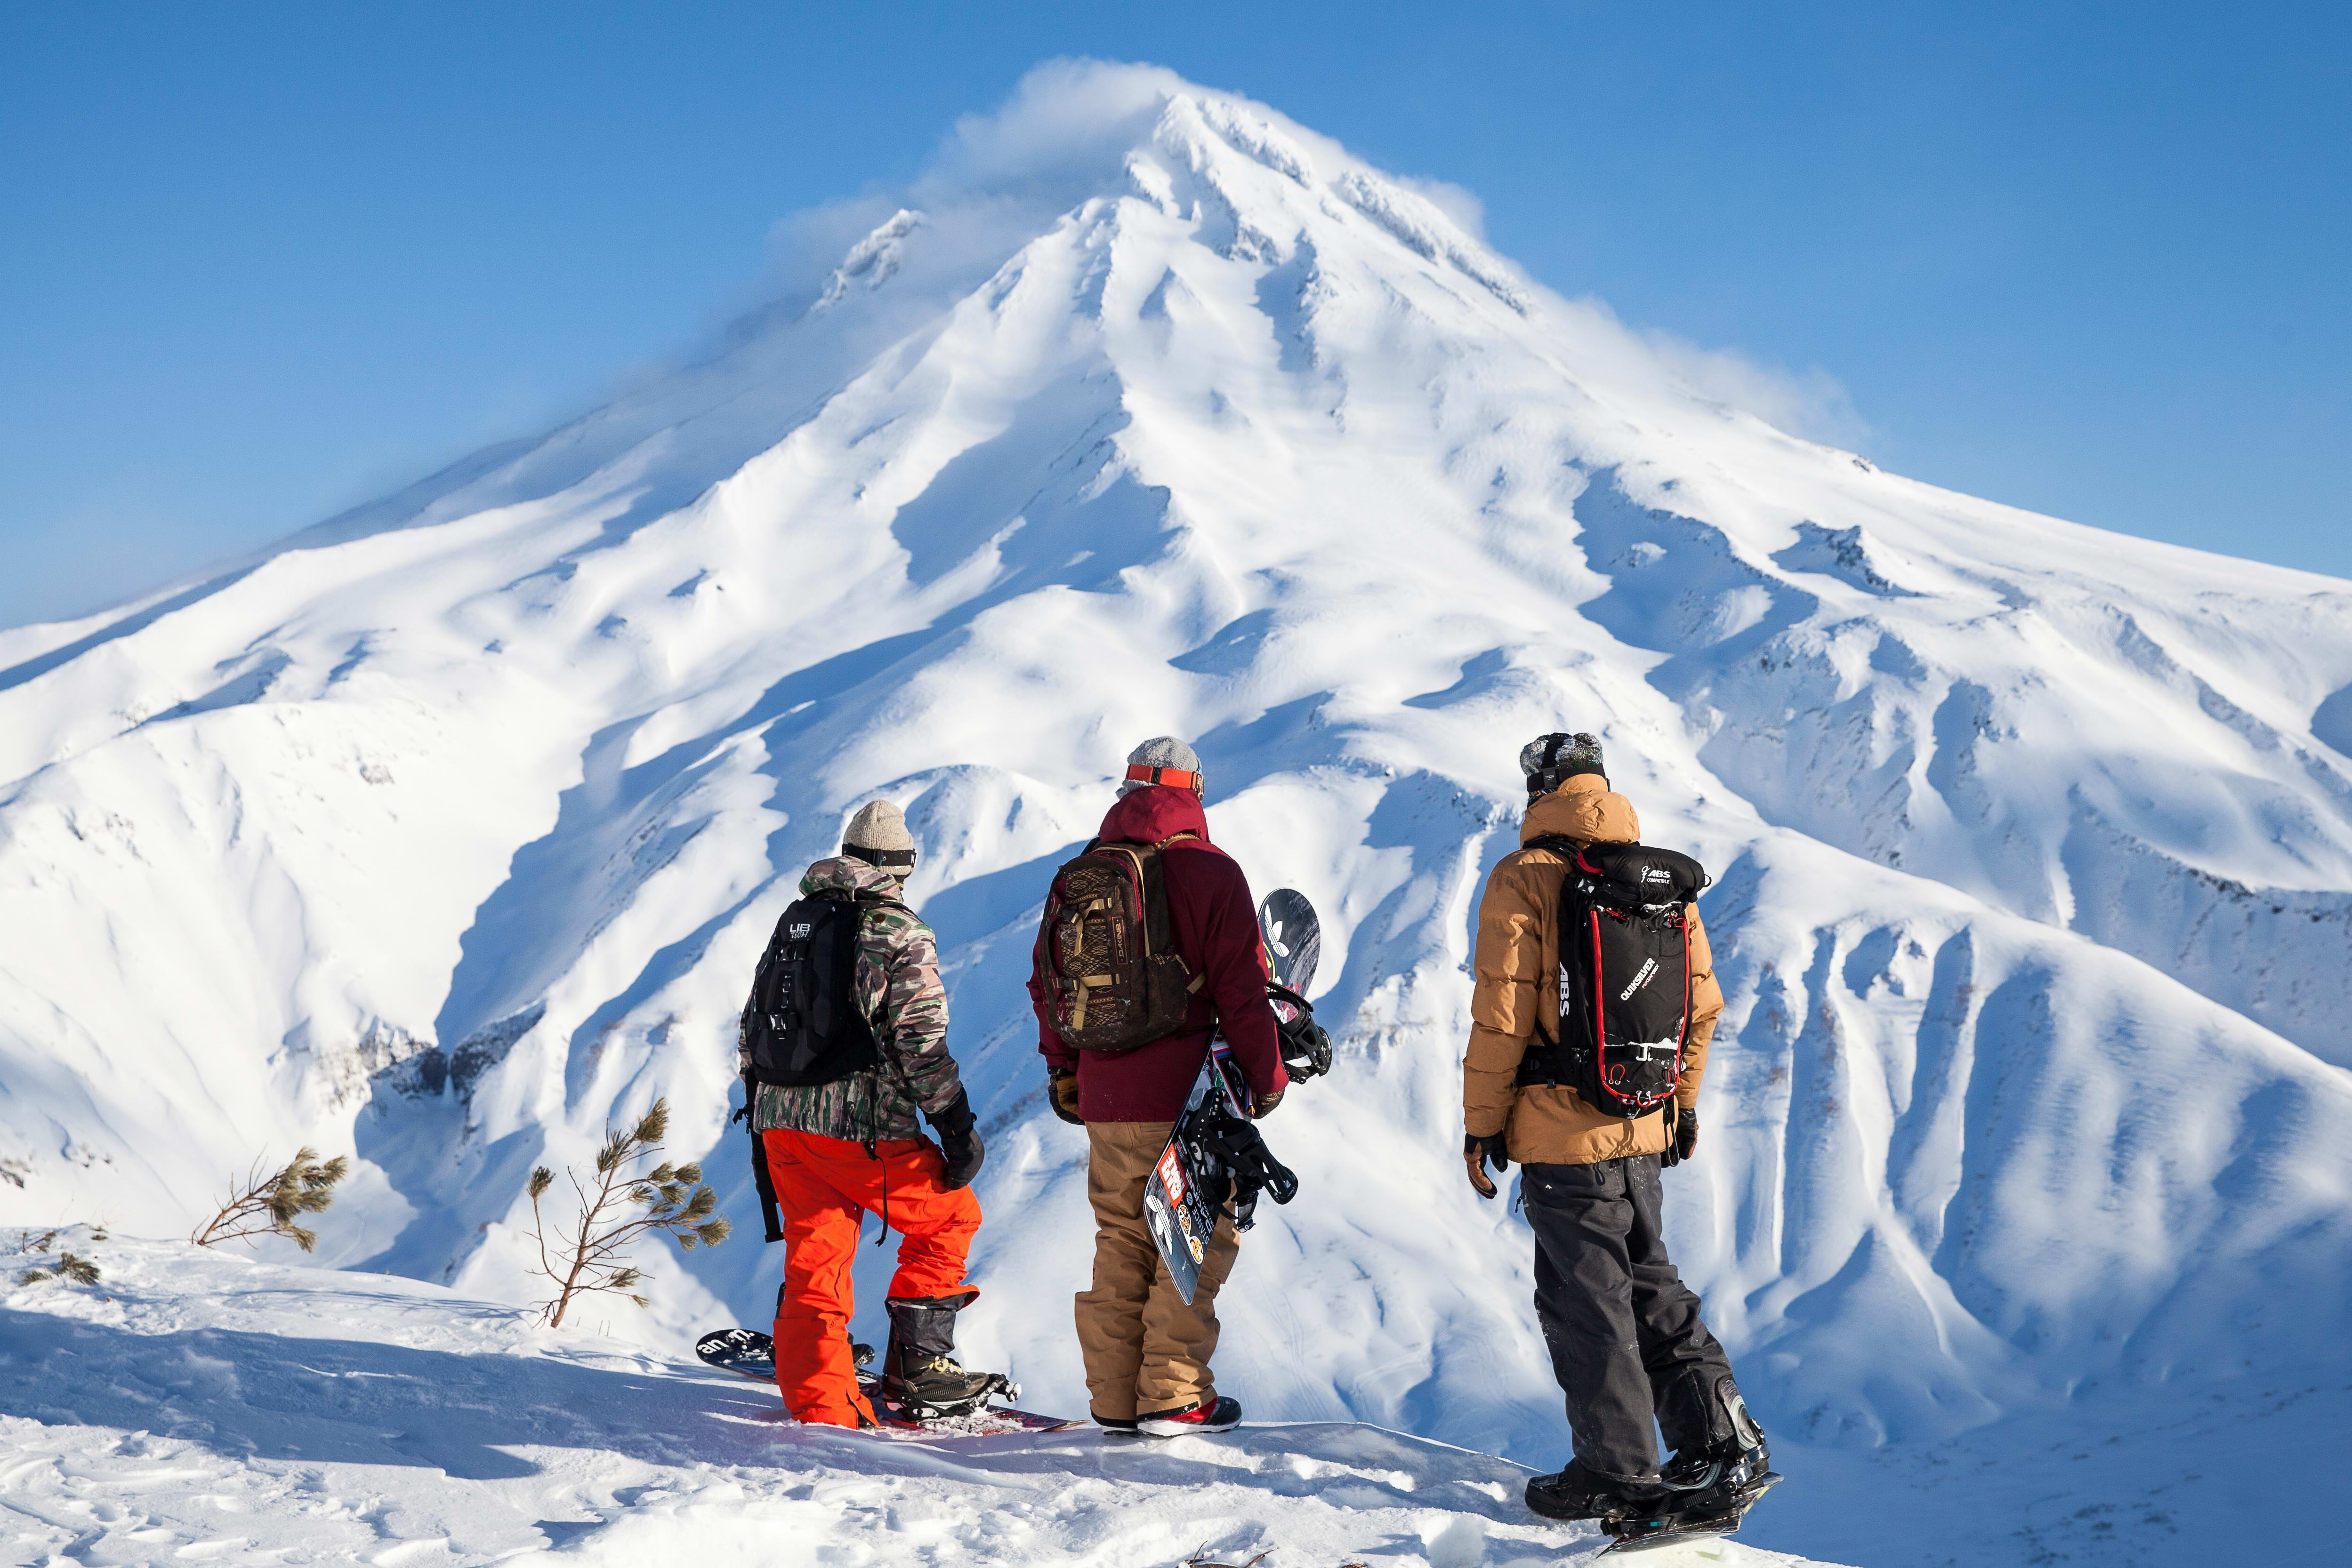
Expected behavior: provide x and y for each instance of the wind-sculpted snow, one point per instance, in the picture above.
(449, 831)
(247, 1414)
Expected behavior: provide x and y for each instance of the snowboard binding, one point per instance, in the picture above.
(1715, 1511)
(997, 1387)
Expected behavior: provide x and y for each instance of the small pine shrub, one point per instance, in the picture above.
(269, 1204)
(70, 1267)
(623, 1204)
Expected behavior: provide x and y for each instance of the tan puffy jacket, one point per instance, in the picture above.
(1517, 992)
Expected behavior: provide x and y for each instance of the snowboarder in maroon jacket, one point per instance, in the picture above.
(1146, 1352)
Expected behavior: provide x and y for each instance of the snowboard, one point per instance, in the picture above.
(748, 1352)
(1662, 1530)
(1176, 1198)
(1294, 937)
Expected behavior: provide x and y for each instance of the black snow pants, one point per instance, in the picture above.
(1626, 1341)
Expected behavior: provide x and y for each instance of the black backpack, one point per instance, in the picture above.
(1624, 976)
(802, 1022)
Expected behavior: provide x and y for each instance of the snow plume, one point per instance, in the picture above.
(1811, 402)
(447, 835)
(1070, 118)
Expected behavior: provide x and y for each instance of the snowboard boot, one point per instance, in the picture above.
(1576, 1492)
(920, 1373)
(1214, 1414)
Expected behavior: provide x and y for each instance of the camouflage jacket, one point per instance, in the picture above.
(899, 988)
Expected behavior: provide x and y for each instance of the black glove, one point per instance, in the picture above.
(959, 1142)
(1478, 1152)
(1062, 1095)
(1681, 1137)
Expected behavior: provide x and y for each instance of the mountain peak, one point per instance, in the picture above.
(1080, 138)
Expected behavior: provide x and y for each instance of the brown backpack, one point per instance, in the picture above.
(1105, 961)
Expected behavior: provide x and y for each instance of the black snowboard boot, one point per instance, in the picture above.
(920, 1373)
(1578, 1493)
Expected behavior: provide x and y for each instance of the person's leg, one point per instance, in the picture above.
(1119, 1157)
(813, 1370)
(1584, 1302)
(1690, 1377)
(936, 1224)
(1178, 1340)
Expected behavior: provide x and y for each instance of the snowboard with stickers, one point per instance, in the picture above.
(1215, 1152)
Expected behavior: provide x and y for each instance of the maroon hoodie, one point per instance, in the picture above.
(1215, 924)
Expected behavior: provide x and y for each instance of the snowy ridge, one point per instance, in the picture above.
(450, 830)
(257, 1414)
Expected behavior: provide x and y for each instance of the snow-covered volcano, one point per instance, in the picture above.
(450, 829)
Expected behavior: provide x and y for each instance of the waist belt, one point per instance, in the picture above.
(1545, 1063)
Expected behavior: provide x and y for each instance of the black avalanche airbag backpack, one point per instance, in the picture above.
(1624, 976)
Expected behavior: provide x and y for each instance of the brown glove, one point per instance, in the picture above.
(1062, 1093)
(1477, 1152)
(1263, 1105)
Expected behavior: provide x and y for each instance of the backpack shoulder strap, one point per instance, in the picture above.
(1159, 924)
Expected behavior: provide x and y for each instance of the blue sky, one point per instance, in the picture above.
(259, 263)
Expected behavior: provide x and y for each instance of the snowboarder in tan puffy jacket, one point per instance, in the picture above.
(839, 1150)
(1627, 1341)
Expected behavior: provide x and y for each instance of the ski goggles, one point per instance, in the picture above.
(1144, 773)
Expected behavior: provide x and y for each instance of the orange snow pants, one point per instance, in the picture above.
(824, 1187)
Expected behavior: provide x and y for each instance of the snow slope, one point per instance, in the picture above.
(449, 829)
(246, 1414)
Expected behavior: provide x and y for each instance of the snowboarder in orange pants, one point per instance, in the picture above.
(843, 1044)
(825, 1188)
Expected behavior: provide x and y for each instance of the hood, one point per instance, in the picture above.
(839, 873)
(1154, 812)
(1584, 808)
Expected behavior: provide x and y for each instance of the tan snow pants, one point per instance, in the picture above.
(1145, 1350)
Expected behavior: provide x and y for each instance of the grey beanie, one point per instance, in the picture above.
(1162, 752)
(877, 835)
(1549, 758)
